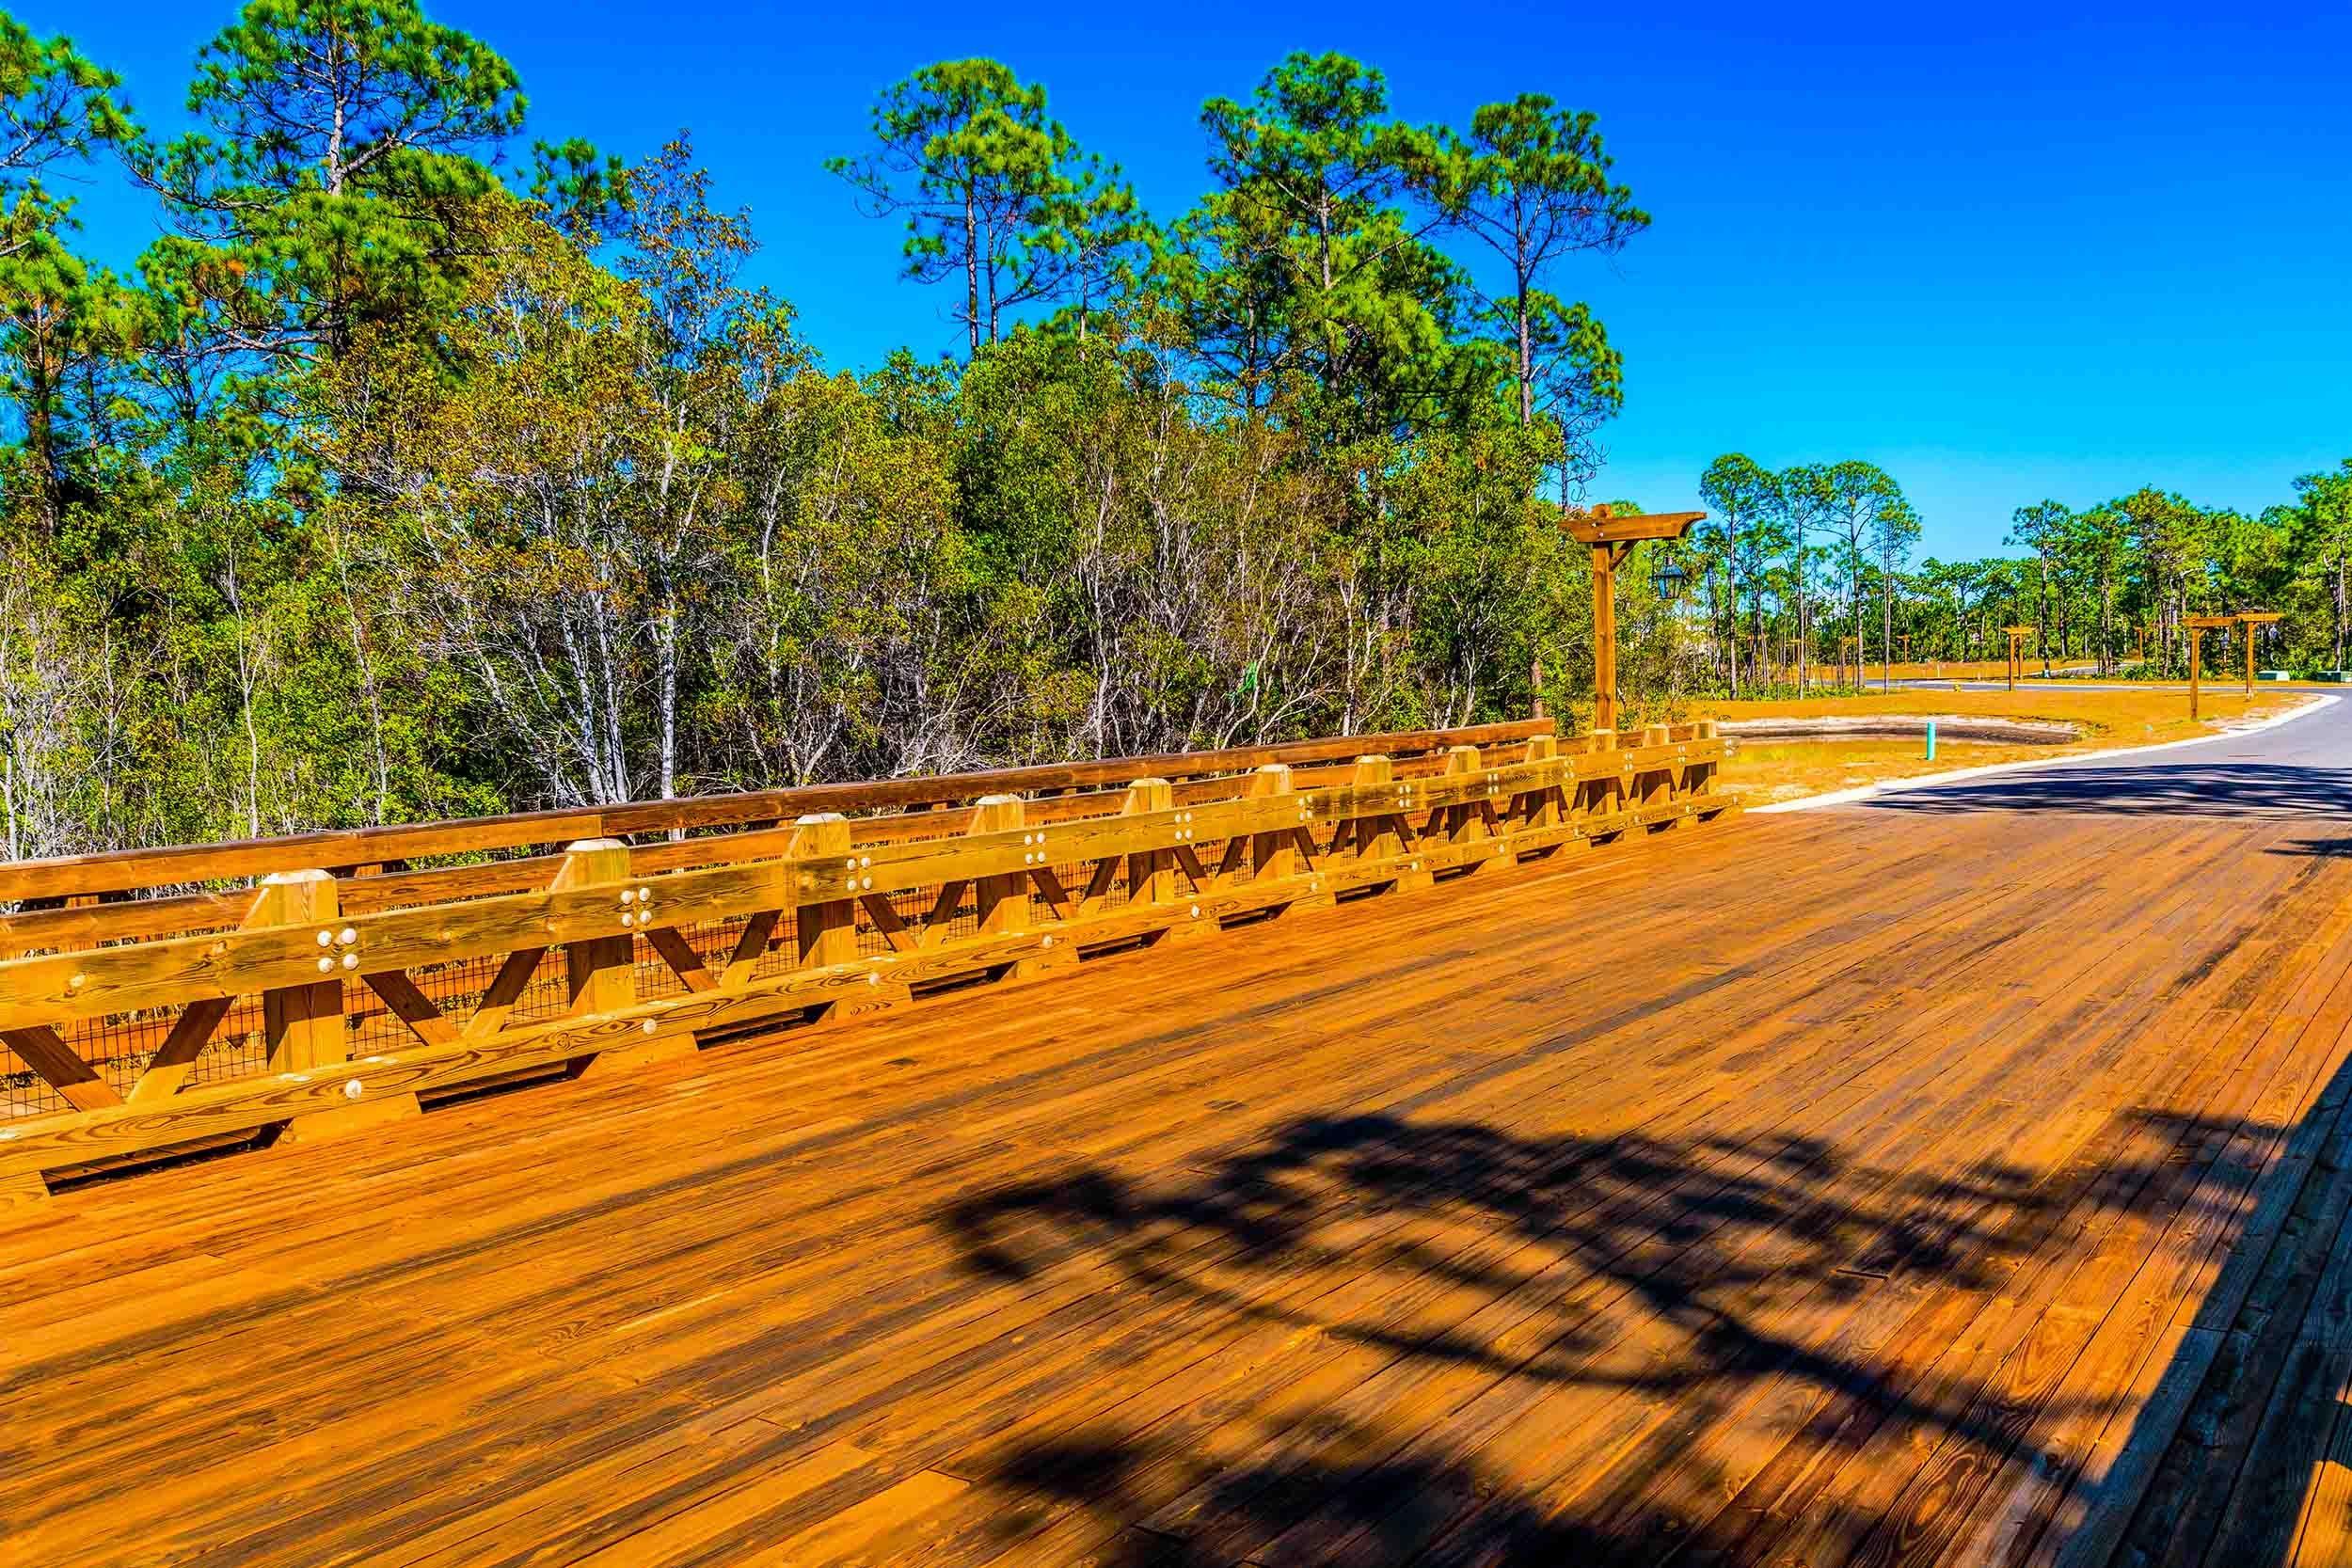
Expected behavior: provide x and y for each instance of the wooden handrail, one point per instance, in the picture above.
(187, 864)
(319, 998)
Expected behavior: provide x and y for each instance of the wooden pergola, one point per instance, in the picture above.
(2205, 623)
(1612, 538)
(2016, 658)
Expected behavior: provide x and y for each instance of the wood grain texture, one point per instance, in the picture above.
(1852, 1187)
(81, 875)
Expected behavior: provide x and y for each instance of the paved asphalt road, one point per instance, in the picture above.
(2302, 768)
(2223, 684)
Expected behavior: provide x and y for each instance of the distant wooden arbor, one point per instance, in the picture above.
(1611, 539)
(2197, 624)
(2249, 620)
(2016, 636)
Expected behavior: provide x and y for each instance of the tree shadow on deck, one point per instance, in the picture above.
(2184, 789)
(1559, 1350)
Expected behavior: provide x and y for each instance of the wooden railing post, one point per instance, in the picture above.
(1271, 855)
(1367, 833)
(825, 933)
(1657, 782)
(1602, 794)
(1467, 823)
(1539, 809)
(1382, 834)
(1003, 900)
(1701, 774)
(600, 972)
(304, 1024)
(1274, 855)
(1150, 873)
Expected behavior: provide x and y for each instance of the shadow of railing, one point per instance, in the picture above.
(1609, 1311)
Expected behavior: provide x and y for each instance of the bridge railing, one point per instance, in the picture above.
(351, 983)
(39, 885)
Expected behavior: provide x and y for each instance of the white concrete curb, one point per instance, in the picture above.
(1925, 780)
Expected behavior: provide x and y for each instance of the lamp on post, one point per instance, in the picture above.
(1668, 579)
(1611, 539)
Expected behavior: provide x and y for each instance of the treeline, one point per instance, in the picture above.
(427, 466)
(424, 468)
(1809, 569)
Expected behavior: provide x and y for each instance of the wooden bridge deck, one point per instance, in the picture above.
(1876, 1187)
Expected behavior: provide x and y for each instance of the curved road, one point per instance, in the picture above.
(2300, 768)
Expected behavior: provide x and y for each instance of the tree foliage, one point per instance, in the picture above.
(1532, 184)
(994, 192)
(2108, 586)
(407, 476)
(347, 142)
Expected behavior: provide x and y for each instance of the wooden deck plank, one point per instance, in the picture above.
(1644, 1464)
(1439, 1231)
(2267, 1092)
(2030, 1480)
(1379, 1399)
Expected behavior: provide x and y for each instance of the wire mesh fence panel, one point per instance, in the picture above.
(239, 1046)
(651, 974)
(22, 1091)
(118, 1045)
(714, 942)
(782, 957)
(873, 939)
(549, 994)
(959, 920)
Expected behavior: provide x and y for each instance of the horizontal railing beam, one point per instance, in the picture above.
(131, 870)
(804, 922)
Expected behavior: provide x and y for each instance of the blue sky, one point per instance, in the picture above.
(2002, 254)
